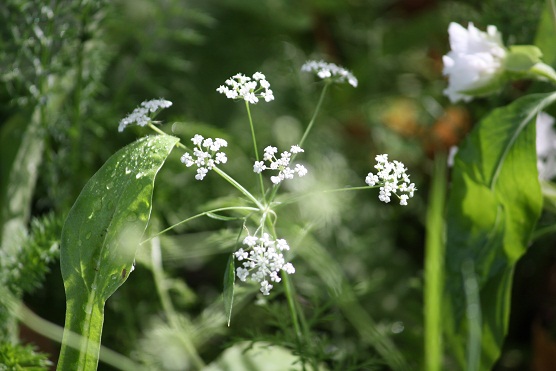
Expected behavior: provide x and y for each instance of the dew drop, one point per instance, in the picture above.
(139, 175)
(131, 217)
(127, 171)
(88, 235)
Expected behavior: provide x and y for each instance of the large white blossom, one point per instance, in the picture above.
(205, 155)
(475, 61)
(392, 177)
(546, 146)
(263, 260)
(142, 115)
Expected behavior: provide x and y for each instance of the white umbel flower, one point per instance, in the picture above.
(330, 71)
(282, 164)
(205, 155)
(392, 178)
(143, 115)
(475, 62)
(263, 260)
(247, 88)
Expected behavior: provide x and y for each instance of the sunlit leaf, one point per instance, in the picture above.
(99, 240)
(494, 204)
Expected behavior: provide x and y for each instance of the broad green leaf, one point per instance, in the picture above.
(228, 294)
(494, 204)
(101, 234)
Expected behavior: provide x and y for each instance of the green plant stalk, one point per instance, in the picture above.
(305, 134)
(198, 216)
(82, 353)
(473, 312)
(313, 119)
(434, 266)
(158, 274)
(255, 147)
(56, 333)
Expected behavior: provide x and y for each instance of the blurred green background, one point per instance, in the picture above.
(83, 65)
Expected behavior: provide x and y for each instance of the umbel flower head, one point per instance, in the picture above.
(143, 114)
(330, 71)
(392, 178)
(281, 164)
(475, 64)
(263, 260)
(205, 155)
(247, 88)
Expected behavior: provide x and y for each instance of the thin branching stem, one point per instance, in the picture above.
(255, 147)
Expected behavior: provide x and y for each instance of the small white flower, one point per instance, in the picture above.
(263, 260)
(296, 149)
(475, 61)
(143, 115)
(330, 71)
(250, 90)
(391, 177)
(282, 164)
(205, 155)
(259, 166)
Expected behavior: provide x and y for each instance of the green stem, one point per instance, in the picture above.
(239, 187)
(198, 216)
(305, 134)
(544, 70)
(255, 147)
(434, 267)
(313, 119)
(158, 274)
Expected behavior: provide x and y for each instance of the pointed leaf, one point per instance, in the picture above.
(494, 204)
(99, 240)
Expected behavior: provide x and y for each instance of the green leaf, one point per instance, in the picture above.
(100, 236)
(547, 32)
(494, 204)
(228, 294)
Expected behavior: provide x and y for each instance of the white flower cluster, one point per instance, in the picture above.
(205, 155)
(475, 62)
(263, 260)
(142, 115)
(281, 164)
(392, 178)
(247, 88)
(330, 71)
